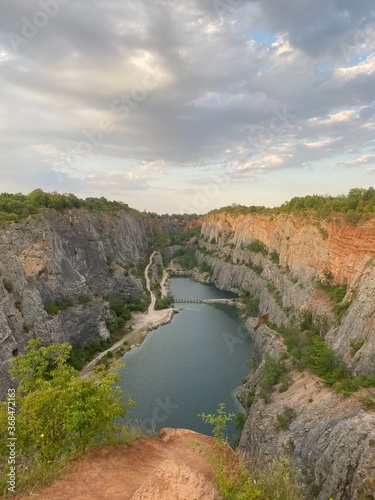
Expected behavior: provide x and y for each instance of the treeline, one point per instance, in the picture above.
(356, 204)
(15, 207)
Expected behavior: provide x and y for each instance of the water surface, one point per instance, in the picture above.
(190, 365)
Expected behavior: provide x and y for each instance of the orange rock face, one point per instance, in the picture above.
(336, 247)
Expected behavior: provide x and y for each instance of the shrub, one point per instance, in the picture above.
(274, 372)
(274, 256)
(59, 413)
(8, 286)
(284, 419)
(54, 308)
(258, 246)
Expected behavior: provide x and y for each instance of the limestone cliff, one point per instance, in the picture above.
(284, 261)
(299, 254)
(77, 256)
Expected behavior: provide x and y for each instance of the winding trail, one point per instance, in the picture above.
(151, 307)
(142, 323)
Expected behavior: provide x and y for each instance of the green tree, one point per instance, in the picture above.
(60, 413)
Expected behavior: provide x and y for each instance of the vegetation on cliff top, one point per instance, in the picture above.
(356, 204)
(15, 207)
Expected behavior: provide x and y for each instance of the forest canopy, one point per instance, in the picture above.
(357, 203)
(15, 207)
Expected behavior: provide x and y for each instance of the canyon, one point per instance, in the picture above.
(287, 262)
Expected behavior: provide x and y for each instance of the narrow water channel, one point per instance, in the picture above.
(190, 365)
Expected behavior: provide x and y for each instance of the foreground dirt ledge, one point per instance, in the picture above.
(173, 464)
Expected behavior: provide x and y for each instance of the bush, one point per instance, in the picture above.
(8, 286)
(205, 268)
(186, 258)
(54, 308)
(59, 413)
(274, 372)
(284, 419)
(258, 246)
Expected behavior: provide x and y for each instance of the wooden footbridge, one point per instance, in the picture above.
(187, 301)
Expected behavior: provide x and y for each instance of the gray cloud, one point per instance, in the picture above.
(223, 79)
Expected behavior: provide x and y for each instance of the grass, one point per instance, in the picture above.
(258, 479)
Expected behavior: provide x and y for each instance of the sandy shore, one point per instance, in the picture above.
(141, 323)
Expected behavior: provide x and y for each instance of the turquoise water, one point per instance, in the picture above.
(190, 365)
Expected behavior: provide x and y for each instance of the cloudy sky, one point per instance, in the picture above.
(175, 106)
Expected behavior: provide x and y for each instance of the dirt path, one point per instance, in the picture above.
(117, 472)
(151, 307)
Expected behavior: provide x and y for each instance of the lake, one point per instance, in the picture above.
(190, 365)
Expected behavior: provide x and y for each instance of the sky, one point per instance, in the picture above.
(185, 106)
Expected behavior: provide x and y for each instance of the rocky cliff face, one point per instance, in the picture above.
(285, 273)
(282, 261)
(77, 256)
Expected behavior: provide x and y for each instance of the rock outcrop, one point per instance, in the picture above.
(74, 258)
(283, 262)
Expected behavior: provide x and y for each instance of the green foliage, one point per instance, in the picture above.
(59, 413)
(251, 305)
(275, 257)
(258, 246)
(15, 207)
(336, 292)
(240, 420)
(54, 308)
(218, 421)
(308, 350)
(355, 345)
(8, 286)
(284, 419)
(250, 399)
(186, 258)
(164, 303)
(271, 480)
(205, 268)
(254, 267)
(358, 203)
(84, 299)
(80, 355)
(274, 372)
